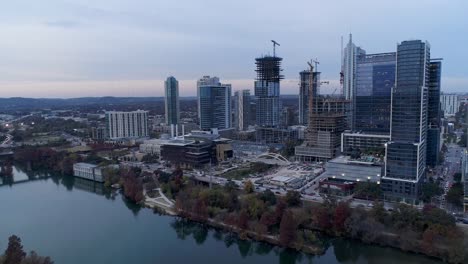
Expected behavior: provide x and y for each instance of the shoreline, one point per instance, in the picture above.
(274, 240)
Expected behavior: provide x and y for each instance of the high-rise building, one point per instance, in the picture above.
(267, 91)
(214, 103)
(375, 78)
(127, 124)
(464, 171)
(242, 109)
(351, 53)
(449, 104)
(433, 113)
(304, 94)
(406, 152)
(171, 100)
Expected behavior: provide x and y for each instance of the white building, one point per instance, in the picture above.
(153, 146)
(88, 171)
(127, 124)
(449, 104)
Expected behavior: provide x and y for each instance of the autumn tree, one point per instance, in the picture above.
(287, 229)
(14, 253)
(342, 212)
(243, 220)
(279, 209)
(248, 187)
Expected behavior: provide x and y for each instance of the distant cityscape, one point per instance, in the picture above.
(387, 136)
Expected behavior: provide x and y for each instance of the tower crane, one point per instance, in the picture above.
(274, 47)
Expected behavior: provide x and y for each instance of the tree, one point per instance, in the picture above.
(279, 209)
(429, 190)
(248, 187)
(379, 213)
(455, 194)
(287, 229)
(293, 198)
(268, 197)
(243, 220)
(457, 177)
(14, 253)
(323, 218)
(268, 219)
(342, 212)
(33, 258)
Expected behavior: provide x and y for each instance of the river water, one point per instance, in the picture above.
(76, 221)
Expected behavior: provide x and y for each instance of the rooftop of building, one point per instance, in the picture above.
(85, 165)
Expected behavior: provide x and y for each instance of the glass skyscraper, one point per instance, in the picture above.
(171, 99)
(214, 103)
(375, 78)
(406, 152)
(434, 113)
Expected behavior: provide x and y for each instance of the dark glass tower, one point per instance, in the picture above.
(171, 99)
(267, 91)
(214, 103)
(375, 78)
(406, 152)
(433, 113)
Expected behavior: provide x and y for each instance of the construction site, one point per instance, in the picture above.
(326, 122)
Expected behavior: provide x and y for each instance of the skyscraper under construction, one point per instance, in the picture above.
(267, 91)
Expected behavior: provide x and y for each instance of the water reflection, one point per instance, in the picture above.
(246, 248)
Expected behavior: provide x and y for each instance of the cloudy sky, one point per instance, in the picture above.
(73, 48)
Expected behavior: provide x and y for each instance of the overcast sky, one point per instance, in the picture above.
(74, 48)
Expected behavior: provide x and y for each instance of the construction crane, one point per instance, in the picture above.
(274, 47)
(316, 62)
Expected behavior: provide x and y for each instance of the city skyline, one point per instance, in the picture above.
(59, 49)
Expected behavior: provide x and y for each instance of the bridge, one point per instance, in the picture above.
(273, 159)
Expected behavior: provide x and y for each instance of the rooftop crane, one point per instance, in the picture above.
(274, 47)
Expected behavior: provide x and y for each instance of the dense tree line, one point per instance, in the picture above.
(14, 254)
(294, 224)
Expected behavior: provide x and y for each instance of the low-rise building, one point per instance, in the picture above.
(88, 171)
(344, 168)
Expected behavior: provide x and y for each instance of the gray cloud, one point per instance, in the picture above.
(123, 40)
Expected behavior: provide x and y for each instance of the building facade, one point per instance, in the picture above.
(242, 110)
(464, 170)
(127, 124)
(350, 55)
(434, 114)
(375, 78)
(88, 171)
(406, 152)
(171, 100)
(267, 91)
(449, 103)
(304, 87)
(214, 103)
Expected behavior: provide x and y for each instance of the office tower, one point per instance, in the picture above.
(214, 103)
(464, 171)
(127, 124)
(375, 78)
(351, 52)
(171, 99)
(267, 91)
(449, 104)
(242, 109)
(406, 152)
(304, 94)
(433, 113)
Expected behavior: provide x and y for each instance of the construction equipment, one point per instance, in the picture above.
(274, 47)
